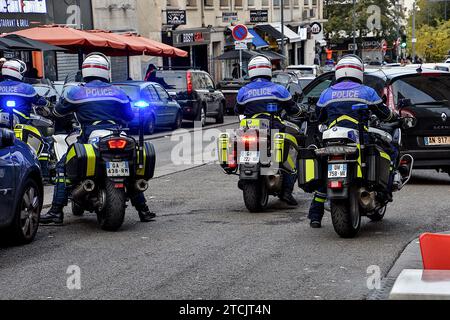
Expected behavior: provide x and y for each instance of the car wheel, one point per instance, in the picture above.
(219, 118)
(150, 125)
(28, 210)
(178, 121)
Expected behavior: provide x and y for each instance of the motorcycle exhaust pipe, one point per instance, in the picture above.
(367, 199)
(141, 185)
(274, 183)
(83, 189)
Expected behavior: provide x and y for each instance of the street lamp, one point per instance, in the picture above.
(282, 32)
(354, 27)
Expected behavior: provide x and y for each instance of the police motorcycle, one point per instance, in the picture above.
(102, 171)
(357, 174)
(259, 155)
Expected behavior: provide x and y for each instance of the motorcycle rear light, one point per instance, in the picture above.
(117, 143)
(337, 157)
(119, 186)
(248, 139)
(336, 184)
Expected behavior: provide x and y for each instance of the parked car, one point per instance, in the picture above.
(21, 190)
(424, 95)
(163, 110)
(229, 89)
(442, 67)
(305, 70)
(289, 80)
(196, 93)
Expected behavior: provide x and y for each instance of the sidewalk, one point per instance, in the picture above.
(410, 258)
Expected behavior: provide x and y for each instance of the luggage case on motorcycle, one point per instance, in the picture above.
(378, 164)
(81, 162)
(285, 151)
(310, 170)
(31, 136)
(148, 170)
(227, 153)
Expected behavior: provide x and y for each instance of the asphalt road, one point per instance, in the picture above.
(205, 245)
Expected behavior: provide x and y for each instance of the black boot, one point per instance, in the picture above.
(145, 214)
(288, 198)
(315, 224)
(55, 215)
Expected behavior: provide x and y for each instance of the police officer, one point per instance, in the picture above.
(12, 88)
(335, 108)
(253, 99)
(97, 105)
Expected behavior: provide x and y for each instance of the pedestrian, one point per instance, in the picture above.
(235, 72)
(97, 105)
(150, 75)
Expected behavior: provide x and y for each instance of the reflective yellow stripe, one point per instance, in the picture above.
(141, 171)
(70, 154)
(320, 200)
(29, 128)
(291, 138)
(385, 155)
(278, 143)
(310, 170)
(91, 160)
(21, 114)
(291, 162)
(359, 164)
(345, 117)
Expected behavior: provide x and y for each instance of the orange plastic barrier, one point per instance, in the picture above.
(435, 249)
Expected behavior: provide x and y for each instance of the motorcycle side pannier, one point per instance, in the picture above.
(285, 151)
(31, 136)
(378, 165)
(148, 170)
(310, 170)
(81, 162)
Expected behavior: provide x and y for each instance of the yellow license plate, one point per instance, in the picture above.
(437, 141)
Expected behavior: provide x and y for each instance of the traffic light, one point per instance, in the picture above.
(403, 43)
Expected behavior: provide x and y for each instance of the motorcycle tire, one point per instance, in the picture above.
(256, 196)
(346, 222)
(77, 210)
(111, 217)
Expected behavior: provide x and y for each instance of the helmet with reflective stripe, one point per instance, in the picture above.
(350, 67)
(96, 65)
(260, 66)
(14, 68)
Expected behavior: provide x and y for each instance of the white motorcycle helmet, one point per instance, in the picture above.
(260, 66)
(350, 67)
(96, 65)
(14, 68)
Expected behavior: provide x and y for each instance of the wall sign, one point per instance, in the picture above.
(228, 17)
(259, 16)
(20, 6)
(176, 17)
(316, 28)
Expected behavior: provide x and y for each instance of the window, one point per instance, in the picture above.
(152, 93)
(172, 3)
(238, 3)
(208, 82)
(306, 3)
(296, 3)
(208, 3)
(163, 95)
(422, 89)
(276, 3)
(191, 3)
(319, 87)
(314, 2)
(251, 3)
(265, 3)
(224, 3)
(287, 3)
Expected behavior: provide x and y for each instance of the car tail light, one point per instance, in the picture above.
(189, 82)
(117, 143)
(335, 184)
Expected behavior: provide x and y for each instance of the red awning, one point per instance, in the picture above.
(168, 51)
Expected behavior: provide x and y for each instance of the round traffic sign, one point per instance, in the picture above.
(384, 45)
(240, 32)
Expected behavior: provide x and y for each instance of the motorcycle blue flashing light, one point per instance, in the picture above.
(141, 104)
(272, 107)
(11, 104)
(360, 106)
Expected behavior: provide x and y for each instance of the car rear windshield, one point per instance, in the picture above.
(132, 92)
(281, 78)
(423, 89)
(170, 80)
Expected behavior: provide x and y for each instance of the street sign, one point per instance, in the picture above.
(257, 16)
(352, 47)
(240, 32)
(413, 40)
(240, 45)
(176, 17)
(228, 17)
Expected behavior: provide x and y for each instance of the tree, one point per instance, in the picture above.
(431, 12)
(433, 43)
(340, 19)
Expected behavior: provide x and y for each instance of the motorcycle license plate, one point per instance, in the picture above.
(117, 169)
(337, 170)
(249, 157)
(437, 141)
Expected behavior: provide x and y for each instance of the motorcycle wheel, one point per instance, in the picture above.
(77, 210)
(345, 216)
(256, 196)
(378, 215)
(112, 214)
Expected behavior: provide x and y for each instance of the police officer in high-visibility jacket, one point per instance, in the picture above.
(97, 105)
(335, 107)
(16, 94)
(252, 100)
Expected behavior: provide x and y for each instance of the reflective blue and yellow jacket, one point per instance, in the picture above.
(255, 96)
(24, 97)
(336, 104)
(96, 103)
